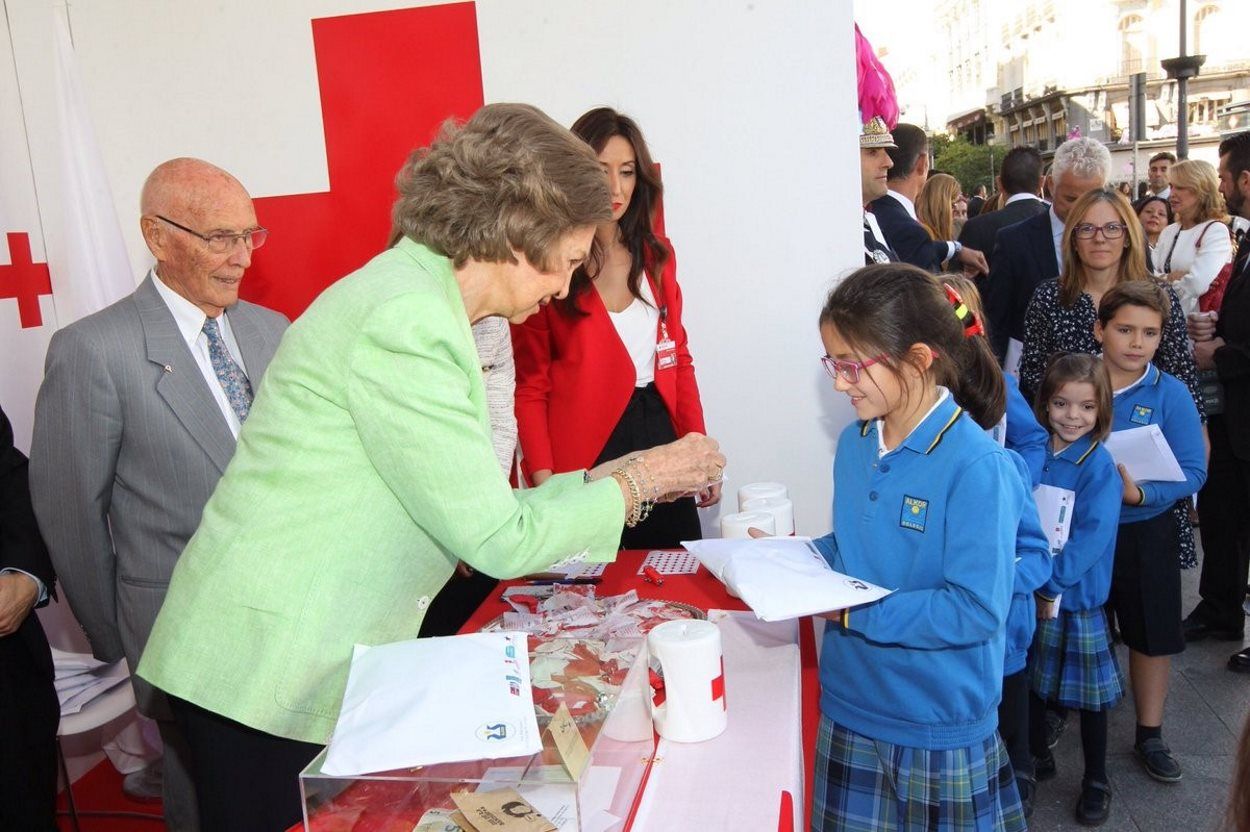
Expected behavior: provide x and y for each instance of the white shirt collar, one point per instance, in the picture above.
(905, 202)
(1142, 378)
(943, 395)
(188, 317)
(1020, 197)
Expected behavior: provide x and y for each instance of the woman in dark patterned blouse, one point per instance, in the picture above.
(1102, 246)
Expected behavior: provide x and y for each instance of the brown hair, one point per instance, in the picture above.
(1201, 178)
(1132, 260)
(510, 178)
(1076, 367)
(887, 308)
(934, 205)
(1145, 293)
(595, 128)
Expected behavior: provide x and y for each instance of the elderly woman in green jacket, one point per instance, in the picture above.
(365, 469)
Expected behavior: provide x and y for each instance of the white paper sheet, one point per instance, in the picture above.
(782, 577)
(1146, 454)
(557, 801)
(1054, 508)
(435, 700)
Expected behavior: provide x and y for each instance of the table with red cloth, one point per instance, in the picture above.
(707, 593)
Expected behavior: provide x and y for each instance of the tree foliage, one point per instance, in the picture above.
(971, 164)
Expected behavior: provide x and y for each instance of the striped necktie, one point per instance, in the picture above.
(229, 374)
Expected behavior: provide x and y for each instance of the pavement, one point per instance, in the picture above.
(1206, 709)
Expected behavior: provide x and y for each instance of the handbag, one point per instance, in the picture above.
(1213, 297)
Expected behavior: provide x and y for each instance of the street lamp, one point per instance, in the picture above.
(1181, 69)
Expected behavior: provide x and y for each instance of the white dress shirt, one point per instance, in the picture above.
(1056, 231)
(189, 319)
(1020, 197)
(911, 212)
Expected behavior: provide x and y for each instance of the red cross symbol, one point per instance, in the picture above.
(387, 80)
(24, 280)
(718, 685)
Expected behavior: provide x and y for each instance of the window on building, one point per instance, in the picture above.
(1132, 44)
(1209, 39)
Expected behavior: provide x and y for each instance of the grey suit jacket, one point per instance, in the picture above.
(128, 445)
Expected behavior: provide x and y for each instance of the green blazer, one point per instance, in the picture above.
(365, 469)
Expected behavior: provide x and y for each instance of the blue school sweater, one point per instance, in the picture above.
(1162, 400)
(935, 519)
(1032, 572)
(1024, 435)
(1082, 571)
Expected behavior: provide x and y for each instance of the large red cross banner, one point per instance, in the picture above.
(388, 80)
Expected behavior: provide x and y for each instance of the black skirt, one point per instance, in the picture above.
(646, 424)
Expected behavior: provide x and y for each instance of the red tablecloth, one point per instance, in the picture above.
(703, 591)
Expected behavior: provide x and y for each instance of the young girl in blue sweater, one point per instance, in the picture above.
(925, 503)
(1072, 662)
(1020, 432)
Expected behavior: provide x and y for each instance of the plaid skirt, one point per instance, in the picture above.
(1072, 661)
(867, 786)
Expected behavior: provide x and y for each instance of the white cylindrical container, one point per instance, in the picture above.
(688, 696)
(780, 508)
(736, 525)
(753, 490)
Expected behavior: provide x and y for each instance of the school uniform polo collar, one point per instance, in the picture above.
(1078, 451)
(928, 434)
(1149, 378)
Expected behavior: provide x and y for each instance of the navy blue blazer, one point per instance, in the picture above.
(980, 231)
(1024, 256)
(906, 236)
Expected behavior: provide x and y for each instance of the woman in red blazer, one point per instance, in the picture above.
(606, 370)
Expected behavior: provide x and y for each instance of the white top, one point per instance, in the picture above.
(1201, 265)
(637, 325)
(190, 319)
(1020, 197)
(493, 339)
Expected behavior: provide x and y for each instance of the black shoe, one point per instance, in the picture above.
(1240, 662)
(1055, 723)
(1027, 787)
(1196, 630)
(1158, 760)
(1044, 766)
(1093, 807)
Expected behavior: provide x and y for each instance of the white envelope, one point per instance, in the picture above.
(435, 700)
(782, 577)
(1145, 454)
(1054, 509)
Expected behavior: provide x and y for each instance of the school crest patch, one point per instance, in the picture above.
(915, 513)
(1141, 414)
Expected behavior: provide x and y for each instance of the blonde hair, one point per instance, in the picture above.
(1132, 260)
(1201, 178)
(935, 205)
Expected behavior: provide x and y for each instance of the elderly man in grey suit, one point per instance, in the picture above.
(138, 415)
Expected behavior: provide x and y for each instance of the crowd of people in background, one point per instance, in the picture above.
(1113, 315)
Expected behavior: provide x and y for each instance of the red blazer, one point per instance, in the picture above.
(574, 378)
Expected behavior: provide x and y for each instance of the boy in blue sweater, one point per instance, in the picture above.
(1145, 582)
